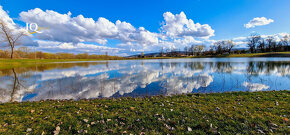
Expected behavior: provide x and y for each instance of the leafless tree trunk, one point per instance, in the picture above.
(253, 41)
(161, 51)
(15, 85)
(10, 36)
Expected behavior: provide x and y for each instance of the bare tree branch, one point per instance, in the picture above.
(10, 36)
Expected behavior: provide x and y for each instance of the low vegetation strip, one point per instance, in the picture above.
(273, 54)
(224, 113)
(13, 63)
(268, 54)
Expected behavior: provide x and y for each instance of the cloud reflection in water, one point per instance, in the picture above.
(135, 77)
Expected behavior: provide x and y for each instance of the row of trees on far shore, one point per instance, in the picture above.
(258, 44)
(255, 44)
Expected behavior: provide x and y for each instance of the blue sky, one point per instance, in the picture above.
(225, 17)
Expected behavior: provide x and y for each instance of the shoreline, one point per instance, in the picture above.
(226, 113)
(14, 63)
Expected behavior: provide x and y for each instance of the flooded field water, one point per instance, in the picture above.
(87, 80)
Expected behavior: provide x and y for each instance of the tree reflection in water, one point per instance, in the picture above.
(13, 88)
(142, 78)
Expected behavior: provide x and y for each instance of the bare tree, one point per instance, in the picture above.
(23, 51)
(262, 45)
(270, 43)
(10, 36)
(285, 42)
(218, 47)
(186, 50)
(191, 50)
(253, 41)
(167, 52)
(211, 49)
(200, 48)
(173, 52)
(161, 51)
(228, 45)
(280, 46)
(224, 46)
(194, 49)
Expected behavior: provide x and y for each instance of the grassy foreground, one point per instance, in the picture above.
(225, 113)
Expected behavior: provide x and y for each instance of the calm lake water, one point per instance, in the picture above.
(86, 80)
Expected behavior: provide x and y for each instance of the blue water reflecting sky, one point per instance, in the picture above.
(79, 80)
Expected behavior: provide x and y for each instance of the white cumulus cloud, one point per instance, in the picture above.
(178, 26)
(258, 21)
(6, 19)
(66, 28)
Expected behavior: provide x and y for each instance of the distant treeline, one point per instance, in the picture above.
(255, 44)
(258, 44)
(26, 53)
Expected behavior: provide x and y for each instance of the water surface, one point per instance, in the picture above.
(86, 80)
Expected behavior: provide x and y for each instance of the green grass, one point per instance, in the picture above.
(14, 63)
(225, 113)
